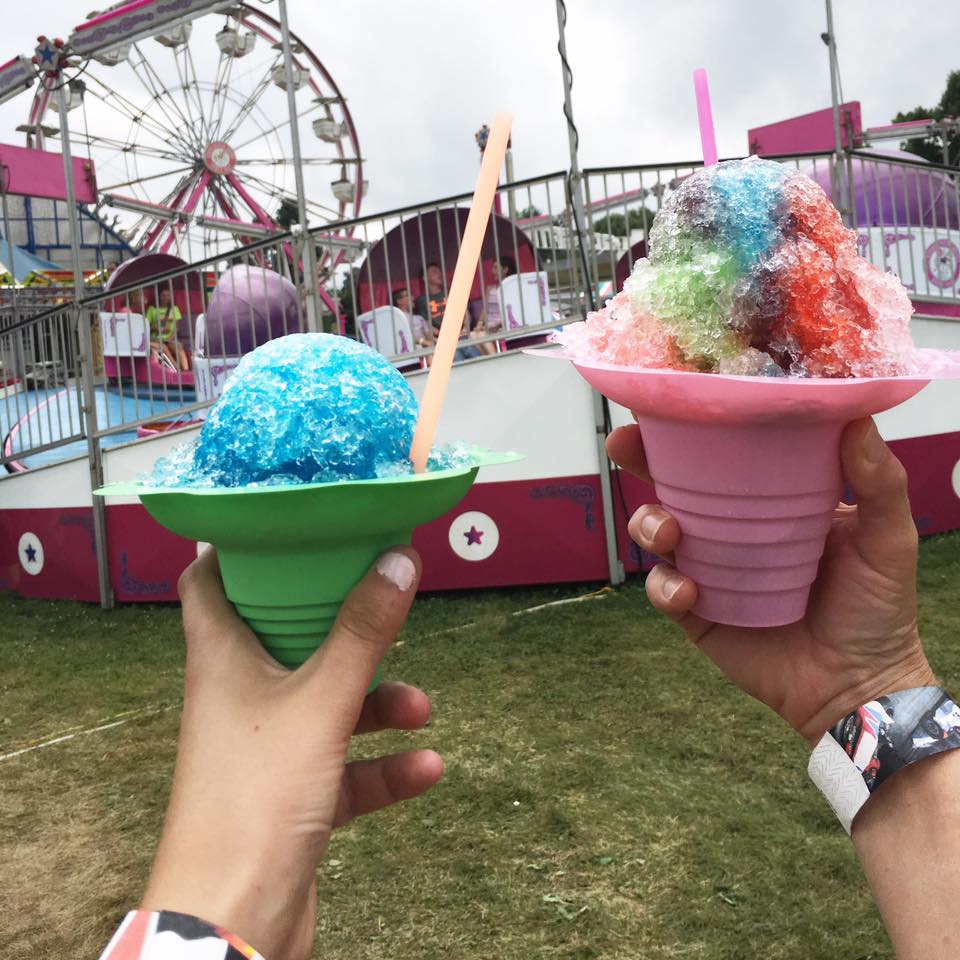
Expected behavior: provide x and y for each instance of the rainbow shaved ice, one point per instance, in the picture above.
(752, 272)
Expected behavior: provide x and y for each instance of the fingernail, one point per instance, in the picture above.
(874, 449)
(399, 569)
(671, 585)
(650, 524)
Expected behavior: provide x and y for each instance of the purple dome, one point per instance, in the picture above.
(249, 306)
(896, 190)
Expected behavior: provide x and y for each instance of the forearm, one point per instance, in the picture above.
(908, 839)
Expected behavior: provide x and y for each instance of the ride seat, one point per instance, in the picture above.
(389, 331)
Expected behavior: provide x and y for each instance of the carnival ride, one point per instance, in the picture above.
(191, 137)
(202, 186)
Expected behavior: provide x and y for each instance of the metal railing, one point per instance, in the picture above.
(906, 214)
(163, 346)
(531, 228)
(376, 287)
(41, 406)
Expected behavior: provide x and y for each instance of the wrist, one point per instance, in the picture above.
(911, 670)
(261, 898)
(874, 743)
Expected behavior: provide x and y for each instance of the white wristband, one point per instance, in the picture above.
(876, 740)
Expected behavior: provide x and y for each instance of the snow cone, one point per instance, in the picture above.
(300, 478)
(743, 346)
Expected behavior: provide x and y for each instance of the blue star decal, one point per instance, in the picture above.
(46, 54)
(473, 535)
(31, 553)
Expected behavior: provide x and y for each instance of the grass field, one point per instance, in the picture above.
(608, 794)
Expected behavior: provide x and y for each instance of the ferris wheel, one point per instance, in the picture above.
(189, 131)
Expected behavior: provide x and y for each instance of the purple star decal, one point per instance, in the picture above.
(31, 553)
(473, 535)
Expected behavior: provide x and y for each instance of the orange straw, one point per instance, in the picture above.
(463, 274)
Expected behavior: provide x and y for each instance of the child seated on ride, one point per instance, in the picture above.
(163, 319)
(490, 319)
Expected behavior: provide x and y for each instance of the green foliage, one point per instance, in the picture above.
(931, 148)
(527, 212)
(287, 214)
(638, 218)
(345, 288)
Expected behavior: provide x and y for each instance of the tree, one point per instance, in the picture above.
(639, 218)
(528, 212)
(287, 213)
(345, 291)
(931, 148)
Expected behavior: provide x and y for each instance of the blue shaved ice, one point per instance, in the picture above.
(306, 408)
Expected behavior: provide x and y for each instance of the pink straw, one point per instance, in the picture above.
(463, 273)
(708, 140)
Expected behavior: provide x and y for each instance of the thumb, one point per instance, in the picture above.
(218, 641)
(885, 527)
(370, 618)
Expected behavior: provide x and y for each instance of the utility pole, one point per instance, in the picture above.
(601, 408)
(838, 154)
(303, 247)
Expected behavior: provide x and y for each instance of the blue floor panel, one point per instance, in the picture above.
(46, 415)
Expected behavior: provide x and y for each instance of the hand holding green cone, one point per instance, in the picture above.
(289, 555)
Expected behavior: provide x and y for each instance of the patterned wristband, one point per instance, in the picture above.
(174, 936)
(878, 739)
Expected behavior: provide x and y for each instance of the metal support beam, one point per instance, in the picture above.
(85, 343)
(303, 246)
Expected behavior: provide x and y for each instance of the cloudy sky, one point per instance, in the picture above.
(421, 76)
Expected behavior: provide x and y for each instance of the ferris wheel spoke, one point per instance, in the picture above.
(231, 202)
(180, 127)
(167, 135)
(284, 196)
(247, 107)
(123, 146)
(130, 110)
(220, 90)
(204, 125)
(278, 126)
(196, 126)
(288, 161)
(139, 180)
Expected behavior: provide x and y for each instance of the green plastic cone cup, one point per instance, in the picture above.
(289, 555)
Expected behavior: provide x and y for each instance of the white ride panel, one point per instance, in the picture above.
(525, 301)
(388, 331)
(124, 335)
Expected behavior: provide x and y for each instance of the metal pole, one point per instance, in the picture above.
(508, 171)
(303, 246)
(85, 342)
(601, 409)
(841, 172)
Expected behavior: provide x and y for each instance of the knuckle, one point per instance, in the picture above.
(365, 622)
(897, 477)
(187, 582)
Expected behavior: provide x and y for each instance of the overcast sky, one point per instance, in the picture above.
(422, 75)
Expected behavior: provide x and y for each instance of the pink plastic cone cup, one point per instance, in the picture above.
(750, 467)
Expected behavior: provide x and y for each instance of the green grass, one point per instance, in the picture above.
(607, 793)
